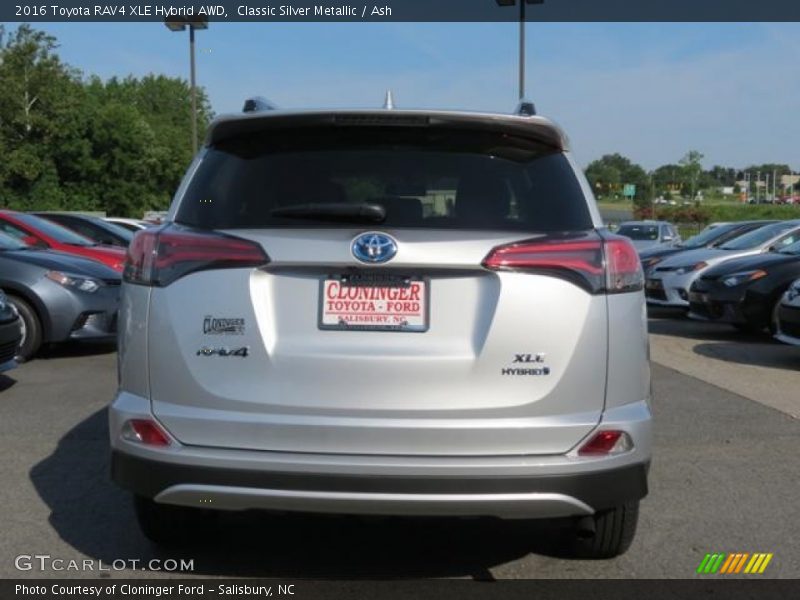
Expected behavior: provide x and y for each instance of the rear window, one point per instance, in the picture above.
(639, 232)
(61, 234)
(422, 177)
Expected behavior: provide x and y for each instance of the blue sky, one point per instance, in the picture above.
(650, 91)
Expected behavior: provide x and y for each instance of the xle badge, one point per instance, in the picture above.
(528, 359)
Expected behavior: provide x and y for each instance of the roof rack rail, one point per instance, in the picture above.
(525, 108)
(258, 104)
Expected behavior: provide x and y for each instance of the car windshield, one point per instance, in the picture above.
(708, 235)
(756, 238)
(61, 234)
(395, 176)
(639, 232)
(8, 242)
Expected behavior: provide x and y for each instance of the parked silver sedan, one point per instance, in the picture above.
(668, 282)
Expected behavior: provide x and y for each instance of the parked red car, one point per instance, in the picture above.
(39, 232)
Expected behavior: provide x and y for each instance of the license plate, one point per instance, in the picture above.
(373, 303)
(654, 284)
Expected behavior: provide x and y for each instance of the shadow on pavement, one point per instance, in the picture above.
(76, 349)
(96, 518)
(6, 382)
(682, 326)
(777, 356)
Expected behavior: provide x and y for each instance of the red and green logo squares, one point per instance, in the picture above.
(735, 562)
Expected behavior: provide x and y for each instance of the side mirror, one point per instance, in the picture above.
(667, 238)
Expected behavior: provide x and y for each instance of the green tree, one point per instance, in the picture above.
(692, 168)
(68, 142)
(608, 174)
(39, 124)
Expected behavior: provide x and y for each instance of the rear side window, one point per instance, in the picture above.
(422, 177)
(639, 232)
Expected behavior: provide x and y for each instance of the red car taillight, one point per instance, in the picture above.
(608, 264)
(605, 443)
(144, 431)
(159, 256)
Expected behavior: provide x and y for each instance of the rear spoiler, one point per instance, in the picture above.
(525, 124)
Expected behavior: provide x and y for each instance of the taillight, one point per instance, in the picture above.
(608, 264)
(161, 255)
(144, 431)
(606, 443)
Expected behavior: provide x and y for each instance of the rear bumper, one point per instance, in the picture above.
(512, 486)
(509, 497)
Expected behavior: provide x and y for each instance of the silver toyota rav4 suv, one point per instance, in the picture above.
(384, 312)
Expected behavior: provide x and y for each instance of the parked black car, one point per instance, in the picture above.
(710, 237)
(10, 333)
(58, 296)
(746, 292)
(94, 228)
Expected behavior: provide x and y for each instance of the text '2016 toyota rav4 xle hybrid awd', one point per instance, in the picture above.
(384, 312)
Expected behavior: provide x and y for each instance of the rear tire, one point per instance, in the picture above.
(613, 535)
(32, 329)
(169, 525)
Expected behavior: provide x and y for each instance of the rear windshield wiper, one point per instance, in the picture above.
(367, 213)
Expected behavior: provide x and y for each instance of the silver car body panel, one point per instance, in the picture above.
(442, 392)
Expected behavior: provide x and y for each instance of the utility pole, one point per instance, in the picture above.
(758, 187)
(774, 184)
(522, 4)
(180, 24)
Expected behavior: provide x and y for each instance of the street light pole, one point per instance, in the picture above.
(194, 89)
(522, 4)
(179, 24)
(521, 49)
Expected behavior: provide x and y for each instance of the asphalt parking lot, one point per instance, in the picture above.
(724, 479)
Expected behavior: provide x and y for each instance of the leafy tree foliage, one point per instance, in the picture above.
(75, 143)
(610, 173)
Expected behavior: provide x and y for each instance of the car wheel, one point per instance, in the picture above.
(170, 525)
(31, 329)
(605, 534)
